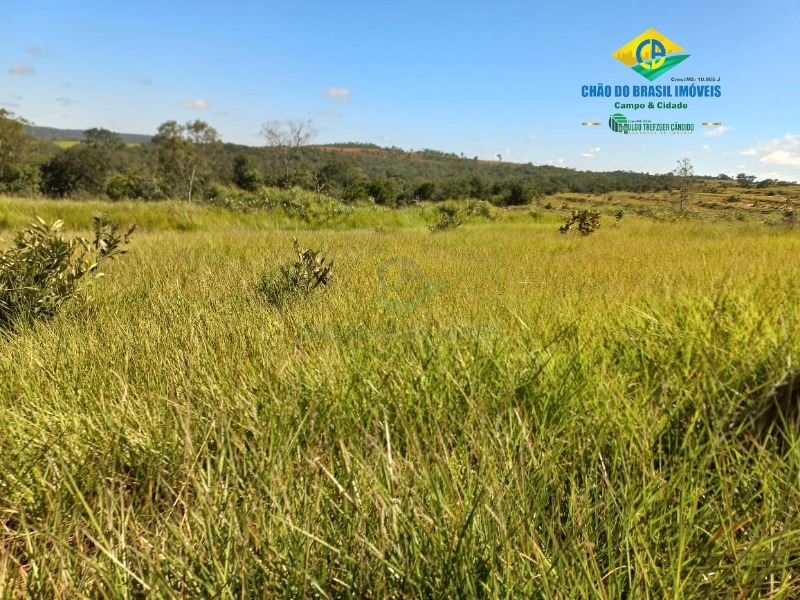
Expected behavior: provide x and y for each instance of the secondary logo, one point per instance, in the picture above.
(618, 123)
(651, 54)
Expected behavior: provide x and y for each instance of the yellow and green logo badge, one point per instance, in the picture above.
(650, 54)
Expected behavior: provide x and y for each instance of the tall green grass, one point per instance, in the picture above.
(554, 417)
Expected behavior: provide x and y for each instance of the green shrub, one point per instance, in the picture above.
(588, 221)
(480, 208)
(43, 270)
(297, 279)
(20, 179)
(789, 217)
(444, 223)
(449, 216)
(234, 198)
(130, 186)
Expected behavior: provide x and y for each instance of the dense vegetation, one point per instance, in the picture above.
(189, 161)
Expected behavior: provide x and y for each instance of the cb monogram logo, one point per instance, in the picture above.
(650, 54)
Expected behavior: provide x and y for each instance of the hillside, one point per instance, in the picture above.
(348, 171)
(53, 134)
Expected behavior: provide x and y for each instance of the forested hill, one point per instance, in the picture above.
(191, 161)
(430, 174)
(53, 134)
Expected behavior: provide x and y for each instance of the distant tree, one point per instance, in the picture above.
(103, 138)
(14, 141)
(683, 173)
(286, 138)
(519, 192)
(108, 147)
(245, 175)
(132, 186)
(427, 191)
(336, 176)
(478, 188)
(745, 180)
(724, 177)
(455, 189)
(22, 179)
(356, 191)
(383, 191)
(76, 169)
(184, 153)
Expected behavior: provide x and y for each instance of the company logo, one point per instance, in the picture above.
(618, 123)
(650, 54)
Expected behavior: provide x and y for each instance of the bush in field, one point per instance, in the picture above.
(43, 270)
(21, 179)
(449, 217)
(130, 186)
(588, 221)
(297, 279)
(480, 208)
(234, 198)
(789, 217)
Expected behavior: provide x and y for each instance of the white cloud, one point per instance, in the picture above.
(337, 94)
(783, 151)
(198, 104)
(788, 142)
(591, 153)
(39, 51)
(385, 138)
(22, 69)
(716, 131)
(559, 162)
(781, 157)
(775, 175)
(533, 138)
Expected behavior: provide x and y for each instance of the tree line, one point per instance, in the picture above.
(190, 161)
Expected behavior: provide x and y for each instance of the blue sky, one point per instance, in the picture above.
(482, 78)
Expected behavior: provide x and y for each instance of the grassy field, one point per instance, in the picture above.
(524, 415)
(64, 144)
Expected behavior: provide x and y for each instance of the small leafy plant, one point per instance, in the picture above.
(789, 217)
(480, 208)
(588, 221)
(43, 270)
(449, 217)
(297, 279)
